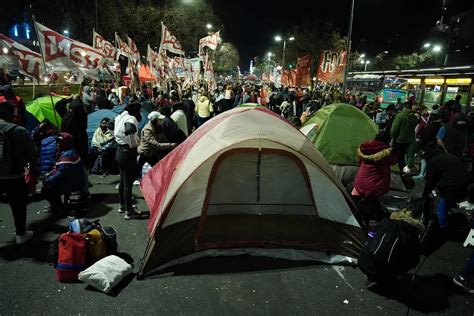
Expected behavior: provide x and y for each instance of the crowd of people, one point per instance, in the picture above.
(442, 138)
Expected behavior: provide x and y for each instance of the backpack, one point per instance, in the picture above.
(393, 251)
(71, 257)
(5, 141)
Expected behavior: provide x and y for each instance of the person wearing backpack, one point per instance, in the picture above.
(13, 160)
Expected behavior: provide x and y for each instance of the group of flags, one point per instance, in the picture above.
(61, 53)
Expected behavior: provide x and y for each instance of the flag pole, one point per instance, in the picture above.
(46, 72)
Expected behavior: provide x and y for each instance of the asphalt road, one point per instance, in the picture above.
(219, 286)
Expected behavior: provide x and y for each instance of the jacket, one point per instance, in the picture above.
(373, 177)
(18, 149)
(75, 123)
(204, 107)
(47, 154)
(68, 174)
(403, 128)
(180, 119)
(153, 143)
(446, 173)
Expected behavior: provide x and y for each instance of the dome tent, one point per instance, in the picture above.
(221, 193)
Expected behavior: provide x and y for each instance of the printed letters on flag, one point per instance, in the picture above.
(303, 74)
(122, 47)
(20, 57)
(63, 53)
(210, 41)
(331, 67)
(100, 43)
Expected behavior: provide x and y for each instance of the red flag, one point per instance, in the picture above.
(331, 67)
(210, 41)
(123, 48)
(303, 75)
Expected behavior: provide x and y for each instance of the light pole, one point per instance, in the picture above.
(348, 50)
(365, 64)
(278, 38)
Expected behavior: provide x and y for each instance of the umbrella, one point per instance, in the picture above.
(42, 108)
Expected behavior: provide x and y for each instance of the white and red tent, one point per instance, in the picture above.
(247, 182)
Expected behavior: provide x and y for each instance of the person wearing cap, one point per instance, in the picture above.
(153, 143)
(67, 176)
(16, 152)
(126, 136)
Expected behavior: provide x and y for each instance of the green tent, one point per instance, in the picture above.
(337, 131)
(42, 108)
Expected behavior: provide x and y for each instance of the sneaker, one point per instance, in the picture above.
(462, 282)
(122, 209)
(133, 215)
(21, 239)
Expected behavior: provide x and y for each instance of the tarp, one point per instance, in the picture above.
(337, 130)
(94, 118)
(145, 74)
(42, 108)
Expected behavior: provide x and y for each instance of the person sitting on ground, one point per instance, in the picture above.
(153, 143)
(99, 144)
(372, 180)
(67, 176)
(445, 173)
(17, 151)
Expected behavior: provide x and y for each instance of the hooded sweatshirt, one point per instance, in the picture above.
(204, 107)
(373, 176)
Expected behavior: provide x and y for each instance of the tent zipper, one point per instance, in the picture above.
(381, 241)
(391, 250)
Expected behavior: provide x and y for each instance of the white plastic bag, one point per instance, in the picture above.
(106, 273)
(146, 167)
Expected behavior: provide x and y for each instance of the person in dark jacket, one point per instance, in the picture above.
(445, 173)
(19, 114)
(67, 176)
(403, 133)
(170, 128)
(16, 152)
(453, 136)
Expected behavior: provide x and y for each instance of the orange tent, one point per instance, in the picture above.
(145, 74)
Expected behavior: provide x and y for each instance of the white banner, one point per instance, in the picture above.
(100, 43)
(65, 54)
(169, 42)
(19, 57)
(210, 41)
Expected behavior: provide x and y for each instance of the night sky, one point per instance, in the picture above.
(379, 25)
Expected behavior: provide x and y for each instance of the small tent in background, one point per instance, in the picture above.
(41, 108)
(337, 130)
(247, 182)
(145, 75)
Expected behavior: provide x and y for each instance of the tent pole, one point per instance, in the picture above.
(46, 72)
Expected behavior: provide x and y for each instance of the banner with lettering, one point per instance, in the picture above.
(100, 43)
(19, 57)
(331, 66)
(64, 54)
(210, 41)
(193, 68)
(303, 74)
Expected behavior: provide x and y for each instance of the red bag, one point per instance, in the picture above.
(31, 179)
(71, 257)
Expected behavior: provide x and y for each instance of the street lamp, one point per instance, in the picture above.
(278, 38)
(209, 26)
(436, 48)
(427, 45)
(66, 32)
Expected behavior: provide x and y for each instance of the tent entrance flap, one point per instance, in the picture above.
(253, 196)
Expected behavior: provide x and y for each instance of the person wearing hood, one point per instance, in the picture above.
(204, 108)
(428, 136)
(372, 180)
(67, 176)
(126, 136)
(453, 136)
(446, 173)
(179, 117)
(87, 99)
(153, 143)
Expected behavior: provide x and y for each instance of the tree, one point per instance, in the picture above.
(226, 58)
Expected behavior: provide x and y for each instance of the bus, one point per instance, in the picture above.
(428, 86)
